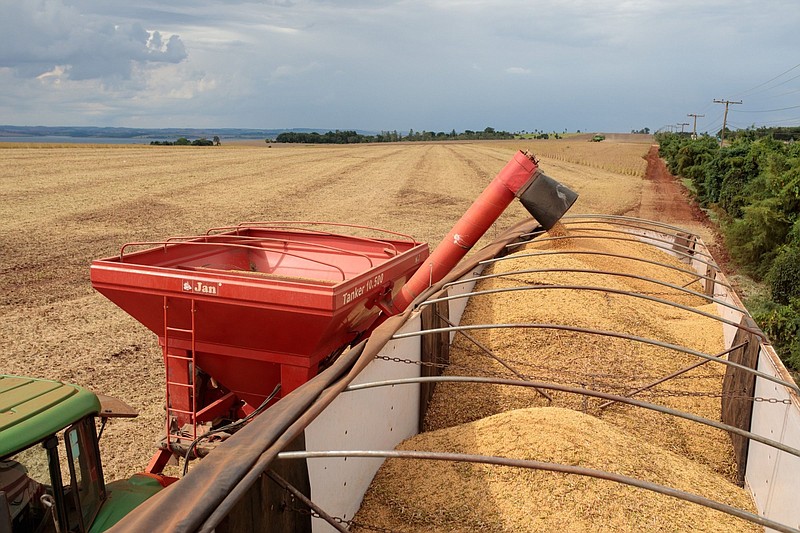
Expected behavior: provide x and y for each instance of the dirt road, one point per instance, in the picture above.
(665, 199)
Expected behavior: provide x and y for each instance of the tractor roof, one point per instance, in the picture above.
(32, 409)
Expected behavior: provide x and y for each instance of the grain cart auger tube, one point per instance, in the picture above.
(545, 199)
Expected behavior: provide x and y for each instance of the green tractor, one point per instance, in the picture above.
(51, 476)
(598, 138)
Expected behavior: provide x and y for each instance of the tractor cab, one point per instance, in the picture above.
(51, 475)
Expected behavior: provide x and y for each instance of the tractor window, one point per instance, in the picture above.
(24, 477)
(86, 473)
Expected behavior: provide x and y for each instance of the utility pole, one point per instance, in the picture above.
(725, 117)
(682, 124)
(694, 128)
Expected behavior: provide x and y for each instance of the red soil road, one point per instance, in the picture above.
(665, 199)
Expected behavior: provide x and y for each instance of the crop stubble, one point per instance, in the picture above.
(62, 206)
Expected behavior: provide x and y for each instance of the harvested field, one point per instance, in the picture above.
(63, 206)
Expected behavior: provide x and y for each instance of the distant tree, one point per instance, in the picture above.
(182, 141)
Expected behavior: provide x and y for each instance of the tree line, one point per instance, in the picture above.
(791, 133)
(183, 141)
(353, 137)
(752, 186)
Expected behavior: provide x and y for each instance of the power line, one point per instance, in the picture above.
(774, 86)
(725, 118)
(789, 121)
(744, 93)
(716, 119)
(715, 123)
(694, 128)
(794, 91)
(770, 110)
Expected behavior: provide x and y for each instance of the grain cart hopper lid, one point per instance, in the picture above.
(260, 296)
(32, 409)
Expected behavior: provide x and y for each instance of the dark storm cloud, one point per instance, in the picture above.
(40, 36)
(389, 64)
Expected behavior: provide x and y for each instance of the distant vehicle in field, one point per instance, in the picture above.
(598, 137)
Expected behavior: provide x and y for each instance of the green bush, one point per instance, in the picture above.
(732, 194)
(754, 186)
(730, 163)
(755, 239)
(781, 323)
(784, 275)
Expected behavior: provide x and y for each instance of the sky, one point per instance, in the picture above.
(437, 65)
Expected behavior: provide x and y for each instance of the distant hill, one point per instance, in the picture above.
(85, 132)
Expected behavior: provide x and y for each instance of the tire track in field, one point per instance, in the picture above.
(360, 193)
(169, 177)
(323, 191)
(485, 163)
(447, 181)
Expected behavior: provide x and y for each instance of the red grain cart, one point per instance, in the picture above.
(239, 310)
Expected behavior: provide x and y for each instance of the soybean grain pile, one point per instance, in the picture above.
(437, 496)
(521, 423)
(61, 206)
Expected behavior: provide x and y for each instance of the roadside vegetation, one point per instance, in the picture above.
(751, 186)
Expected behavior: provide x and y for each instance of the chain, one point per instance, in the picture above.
(483, 371)
(731, 395)
(588, 375)
(411, 361)
(538, 367)
(786, 401)
(595, 382)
